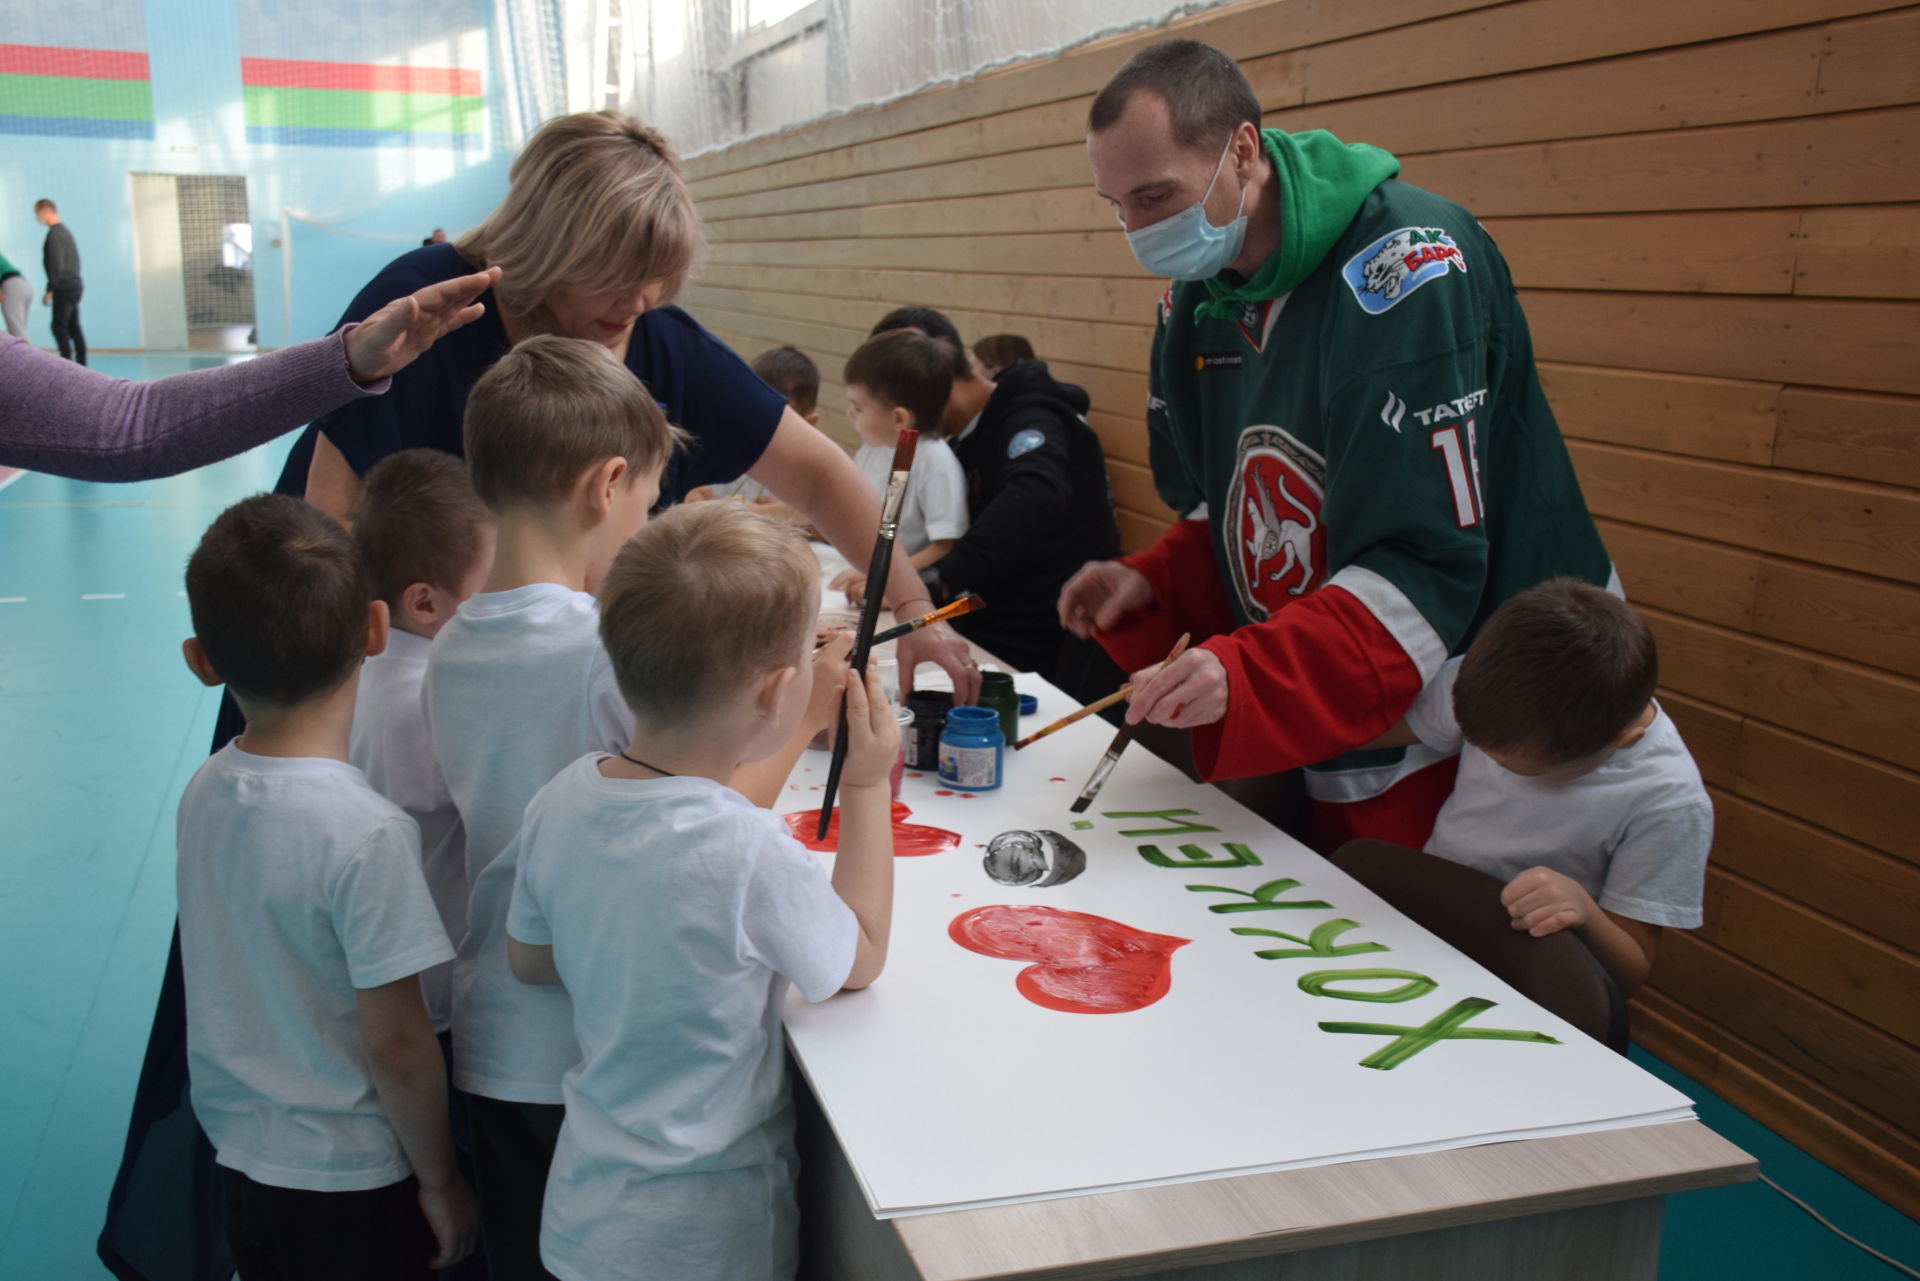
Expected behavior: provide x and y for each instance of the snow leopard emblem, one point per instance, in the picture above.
(1392, 267)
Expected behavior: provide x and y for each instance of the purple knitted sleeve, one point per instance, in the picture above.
(65, 420)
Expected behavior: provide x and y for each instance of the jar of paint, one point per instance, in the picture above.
(929, 708)
(997, 692)
(970, 749)
(904, 715)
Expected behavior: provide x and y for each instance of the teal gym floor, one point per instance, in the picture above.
(102, 726)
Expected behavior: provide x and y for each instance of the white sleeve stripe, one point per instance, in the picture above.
(1403, 621)
(1198, 513)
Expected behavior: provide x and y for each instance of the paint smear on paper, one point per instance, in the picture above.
(1083, 964)
(1040, 858)
(910, 840)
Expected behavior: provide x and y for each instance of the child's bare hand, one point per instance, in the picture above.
(829, 667)
(853, 583)
(1543, 901)
(873, 735)
(450, 1212)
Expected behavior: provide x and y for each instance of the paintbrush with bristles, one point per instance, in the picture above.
(1075, 716)
(965, 605)
(1119, 745)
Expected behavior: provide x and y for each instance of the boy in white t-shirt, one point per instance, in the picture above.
(792, 373)
(305, 924)
(1574, 787)
(894, 381)
(426, 544)
(676, 912)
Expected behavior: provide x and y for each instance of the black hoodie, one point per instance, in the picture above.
(1040, 507)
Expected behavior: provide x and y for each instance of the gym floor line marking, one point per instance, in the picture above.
(105, 596)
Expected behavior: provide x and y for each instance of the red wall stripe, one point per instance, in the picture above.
(284, 73)
(81, 64)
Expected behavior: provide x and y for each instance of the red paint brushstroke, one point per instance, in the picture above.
(1056, 780)
(358, 77)
(76, 64)
(910, 840)
(1083, 964)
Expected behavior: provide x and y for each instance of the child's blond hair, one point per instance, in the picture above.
(550, 409)
(704, 599)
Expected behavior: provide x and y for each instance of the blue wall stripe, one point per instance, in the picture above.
(75, 127)
(307, 136)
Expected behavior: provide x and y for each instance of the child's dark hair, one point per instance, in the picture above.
(279, 600)
(417, 520)
(906, 369)
(792, 373)
(1556, 674)
(932, 323)
(997, 351)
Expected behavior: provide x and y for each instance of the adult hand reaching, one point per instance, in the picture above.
(940, 645)
(387, 341)
(1100, 595)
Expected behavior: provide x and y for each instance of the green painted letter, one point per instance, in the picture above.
(1319, 943)
(1180, 824)
(1320, 983)
(1444, 1026)
(1237, 855)
(1263, 899)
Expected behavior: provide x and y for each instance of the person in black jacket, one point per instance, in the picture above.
(61, 258)
(1039, 505)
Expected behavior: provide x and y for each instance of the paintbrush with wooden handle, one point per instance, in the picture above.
(870, 609)
(1071, 717)
(1119, 745)
(953, 609)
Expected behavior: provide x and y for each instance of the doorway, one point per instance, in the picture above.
(193, 257)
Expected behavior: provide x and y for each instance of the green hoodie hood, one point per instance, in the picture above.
(1323, 182)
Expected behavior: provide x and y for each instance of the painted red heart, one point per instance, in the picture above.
(1085, 964)
(910, 840)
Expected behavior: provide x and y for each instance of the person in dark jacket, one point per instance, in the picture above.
(61, 257)
(1039, 506)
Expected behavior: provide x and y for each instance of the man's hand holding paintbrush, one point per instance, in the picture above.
(1190, 691)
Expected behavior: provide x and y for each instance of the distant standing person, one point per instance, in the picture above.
(16, 296)
(61, 257)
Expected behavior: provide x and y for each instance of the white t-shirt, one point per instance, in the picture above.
(935, 507)
(298, 884)
(677, 912)
(390, 745)
(1633, 833)
(517, 686)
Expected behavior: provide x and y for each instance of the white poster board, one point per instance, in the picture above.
(949, 1088)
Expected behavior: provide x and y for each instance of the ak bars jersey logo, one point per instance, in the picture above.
(1276, 544)
(1392, 267)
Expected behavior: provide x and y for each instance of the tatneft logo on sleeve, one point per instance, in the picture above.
(1390, 268)
(1395, 409)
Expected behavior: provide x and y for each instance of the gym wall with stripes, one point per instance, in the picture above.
(377, 116)
(1713, 212)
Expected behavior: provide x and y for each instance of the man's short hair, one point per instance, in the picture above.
(1206, 93)
(417, 520)
(705, 598)
(550, 409)
(997, 351)
(928, 321)
(279, 600)
(792, 373)
(45, 204)
(1556, 674)
(907, 369)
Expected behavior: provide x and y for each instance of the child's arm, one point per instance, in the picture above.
(863, 871)
(532, 963)
(761, 781)
(411, 1079)
(1543, 901)
(929, 554)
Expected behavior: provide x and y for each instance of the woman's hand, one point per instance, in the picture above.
(938, 644)
(1100, 595)
(388, 341)
(1189, 691)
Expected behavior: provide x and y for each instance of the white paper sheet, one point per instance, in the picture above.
(949, 1089)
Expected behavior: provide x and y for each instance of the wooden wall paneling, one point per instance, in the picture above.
(1742, 252)
(1862, 157)
(1846, 792)
(1137, 531)
(1708, 581)
(1062, 165)
(1870, 62)
(1843, 703)
(1056, 297)
(1873, 529)
(1864, 345)
(1849, 969)
(1122, 438)
(1078, 253)
(1711, 733)
(1870, 620)
(1672, 413)
(1850, 434)
(1849, 882)
(1802, 1032)
(1865, 251)
(1133, 490)
(1825, 1123)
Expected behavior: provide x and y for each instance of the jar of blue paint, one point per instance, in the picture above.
(971, 748)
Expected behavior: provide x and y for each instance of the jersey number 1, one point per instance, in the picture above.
(1463, 473)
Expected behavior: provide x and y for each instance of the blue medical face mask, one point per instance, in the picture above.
(1188, 247)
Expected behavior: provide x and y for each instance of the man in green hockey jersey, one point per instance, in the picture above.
(1343, 407)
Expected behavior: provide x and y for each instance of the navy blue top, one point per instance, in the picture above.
(697, 379)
